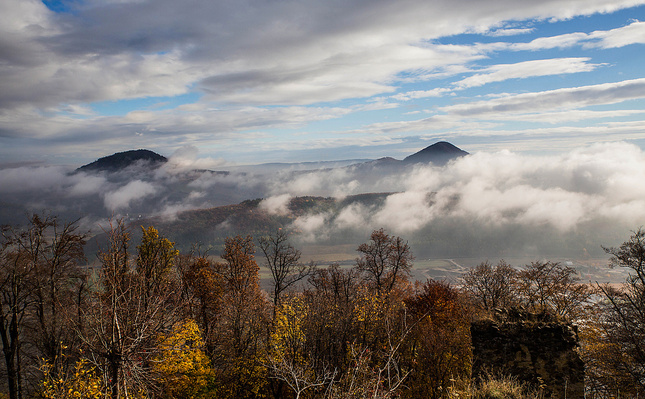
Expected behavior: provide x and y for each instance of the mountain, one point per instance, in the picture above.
(439, 154)
(122, 160)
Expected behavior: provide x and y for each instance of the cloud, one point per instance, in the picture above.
(634, 33)
(510, 32)
(132, 191)
(481, 204)
(255, 52)
(526, 69)
(186, 158)
(250, 67)
(27, 179)
(562, 196)
(278, 205)
(437, 92)
(619, 37)
(567, 98)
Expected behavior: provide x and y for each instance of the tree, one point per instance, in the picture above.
(624, 320)
(440, 344)
(121, 322)
(81, 381)
(492, 286)
(19, 257)
(283, 261)
(202, 296)
(331, 323)
(155, 260)
(291, 358)
(385, 260)
(553, 287)
(242, 321)
(38, 272)
(184, 369)
(59, 282)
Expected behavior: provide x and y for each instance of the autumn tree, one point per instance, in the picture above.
(439, 346)
(553, 287)
(331, 303)
(80, 381)
(283, 261)
(38, 272)
(155, 260)
(492, 286)
(624, 319)
(292, 358)
(202, 296)
(120, 325)
(242, 322)
(385, 260)
(603, 356)
(182, 367)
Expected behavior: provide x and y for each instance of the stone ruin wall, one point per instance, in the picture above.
(535, 348)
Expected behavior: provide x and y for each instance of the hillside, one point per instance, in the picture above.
(438, 154)
(122, 160)
(209, 227)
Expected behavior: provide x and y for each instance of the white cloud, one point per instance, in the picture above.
(438, 92)
(133, 191)
(277, 205)
(186, 158)
(526, 69)
(567, 98)
(510, 32)
(268, 54)
(619, 37)
(563, 193)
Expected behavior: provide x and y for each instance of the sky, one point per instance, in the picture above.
(250, 81)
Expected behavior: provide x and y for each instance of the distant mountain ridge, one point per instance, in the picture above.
(438, 154)
(122, 160)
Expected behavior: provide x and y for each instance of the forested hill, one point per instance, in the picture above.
(209, 227)
(439, 154)
(122, 160)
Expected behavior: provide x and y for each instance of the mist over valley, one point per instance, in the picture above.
(447, 203)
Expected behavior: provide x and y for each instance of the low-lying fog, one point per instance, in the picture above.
(485, 204)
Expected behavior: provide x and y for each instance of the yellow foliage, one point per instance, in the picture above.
(183, 366)
(246, 378)
(82, 383)
(155, 251)
(288, 335)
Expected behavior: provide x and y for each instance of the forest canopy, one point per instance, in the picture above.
(152, 322)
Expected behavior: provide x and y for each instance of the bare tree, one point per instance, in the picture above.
(492, 286)
(298, 377)
(19, 254)
(553, 287)
(384, 259)
(38, 274)
(283, 261)
(625, 316)
(58, 282)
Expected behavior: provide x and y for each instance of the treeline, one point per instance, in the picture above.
(153, 323)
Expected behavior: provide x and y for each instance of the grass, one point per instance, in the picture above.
(498, 387)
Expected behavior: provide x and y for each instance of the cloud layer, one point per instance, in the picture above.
(485, 204)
